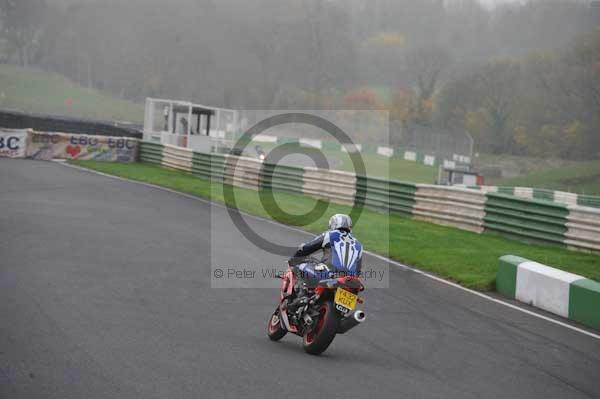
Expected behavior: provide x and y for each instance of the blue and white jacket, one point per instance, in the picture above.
(341, 251)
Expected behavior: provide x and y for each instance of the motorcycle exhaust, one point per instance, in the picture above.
(351, 321)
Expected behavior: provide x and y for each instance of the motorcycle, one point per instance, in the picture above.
(317, 307)
(261, 154)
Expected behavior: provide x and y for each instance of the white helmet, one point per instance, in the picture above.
(340, 221)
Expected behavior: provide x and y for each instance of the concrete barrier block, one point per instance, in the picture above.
(562, 293)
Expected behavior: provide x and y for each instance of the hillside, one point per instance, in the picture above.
(34, 90)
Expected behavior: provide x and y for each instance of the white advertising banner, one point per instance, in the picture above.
(410, 156)
(265, 138)
(13, 143)
(47, 146)
(429, 160)
(385, 151)
(311, 143)
(449, 164)
(351, 147)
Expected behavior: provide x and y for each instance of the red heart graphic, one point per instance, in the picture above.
(73, 150)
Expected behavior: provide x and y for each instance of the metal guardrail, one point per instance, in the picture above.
(583, 228)
(561, 197)
(479, 211)
(450, 206)
(528, 219)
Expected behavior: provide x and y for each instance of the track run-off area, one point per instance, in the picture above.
(105, 292)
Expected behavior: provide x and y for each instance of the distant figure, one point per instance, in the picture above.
(166, 115)
(260, 152)
(184, 125)
(69, 104)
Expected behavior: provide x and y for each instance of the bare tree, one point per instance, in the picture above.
(495, 91)
(425, 66)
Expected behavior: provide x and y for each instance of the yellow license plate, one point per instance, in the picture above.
(345, 298)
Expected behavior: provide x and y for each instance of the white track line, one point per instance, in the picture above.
(401, 265)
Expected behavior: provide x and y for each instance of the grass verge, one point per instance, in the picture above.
(392, 168)
(375, 165)
(582, 178)
(467, 258)
(34, 90)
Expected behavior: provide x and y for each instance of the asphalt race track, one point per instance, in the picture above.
(105, 293)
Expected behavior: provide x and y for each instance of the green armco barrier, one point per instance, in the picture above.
(506, 190)
(281, 178)
(588, 200)
(378, 194)
(529, 219)
(208, 166)
(537, 220)
(151, 152)
(542, 194)
(560, 197)
(285, 140)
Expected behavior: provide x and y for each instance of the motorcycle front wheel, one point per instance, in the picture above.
(275, 329)
(317, 339)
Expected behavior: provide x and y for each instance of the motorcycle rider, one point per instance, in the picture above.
(342, 253)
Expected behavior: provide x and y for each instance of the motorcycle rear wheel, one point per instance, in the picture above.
(275, 330)
(317, 340)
